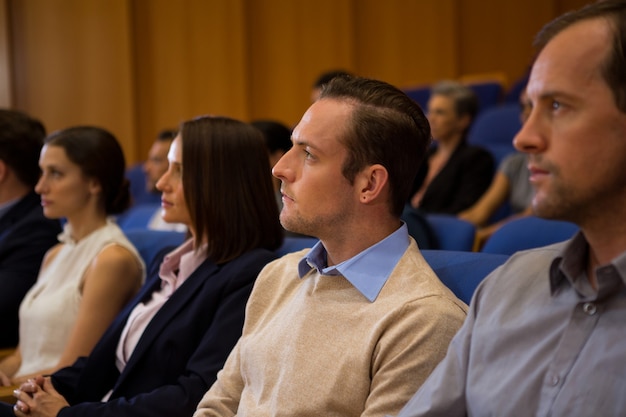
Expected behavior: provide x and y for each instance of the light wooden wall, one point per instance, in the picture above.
(190, 59)
(137, 66)
(5, 57)
(72, 64)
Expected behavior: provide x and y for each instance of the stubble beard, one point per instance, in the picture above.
(316, 226)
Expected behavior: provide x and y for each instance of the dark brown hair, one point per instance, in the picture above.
(228, 188)
(387, 128)
(614, 67)
(21, 139)
(99, 155)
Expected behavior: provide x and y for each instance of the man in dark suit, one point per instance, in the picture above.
(25, 234)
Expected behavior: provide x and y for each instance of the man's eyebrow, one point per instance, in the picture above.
(304, 143)
(545, 95)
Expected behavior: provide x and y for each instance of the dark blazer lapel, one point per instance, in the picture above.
(101, 360)
(107, 346)
(168, 311)
(449, 169)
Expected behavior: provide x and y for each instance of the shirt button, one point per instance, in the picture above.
(589, 309)
(554, 380)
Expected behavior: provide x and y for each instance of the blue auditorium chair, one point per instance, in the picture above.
(150, 242)
(137, 217)
(462, 271)
(451, 232)
(488, 92)
(420, 95)
(295, 243)
(495, 128)
(137, 179)
(526, 233)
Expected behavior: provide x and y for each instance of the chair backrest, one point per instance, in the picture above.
(462, 271)
(294, 244)
(150, 242)
(137, 179)
(419, 94)
(514, 92)
(451, 232)
(526, 233)
(137, 217)
(495, 128)
(489, 93)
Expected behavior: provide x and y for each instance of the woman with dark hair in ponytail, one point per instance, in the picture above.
(86, 279)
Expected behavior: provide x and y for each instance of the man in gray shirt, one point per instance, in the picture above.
(545, 332)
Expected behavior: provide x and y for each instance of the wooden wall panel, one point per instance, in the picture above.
(190, 60)
(72, 64)
(497, 36)
(137, 66)
(5, 57)
(562, 6)
(289, 44)
(406, 42)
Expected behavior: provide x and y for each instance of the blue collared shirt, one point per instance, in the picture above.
(367, 271)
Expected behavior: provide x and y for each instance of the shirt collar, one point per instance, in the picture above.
(367, 271)
(180, 263)
(570, 265)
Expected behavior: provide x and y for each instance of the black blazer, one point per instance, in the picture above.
(461, 182)
(25, 236)
(179, 353)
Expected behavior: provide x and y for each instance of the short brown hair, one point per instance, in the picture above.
(387, 128)
(614, 67)
(228, 188)
(21, 139)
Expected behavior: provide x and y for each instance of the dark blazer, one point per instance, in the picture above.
(25, 236)
(179, 353)
(461, 182)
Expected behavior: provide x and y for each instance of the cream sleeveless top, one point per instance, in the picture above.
(49, 310)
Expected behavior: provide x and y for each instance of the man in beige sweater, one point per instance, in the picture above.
(355, 325)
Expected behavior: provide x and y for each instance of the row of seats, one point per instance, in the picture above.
(451, 233)
(519, 234)
(489, 88)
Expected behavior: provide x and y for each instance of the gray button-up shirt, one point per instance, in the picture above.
(538, 341)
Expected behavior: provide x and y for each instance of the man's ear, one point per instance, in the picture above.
(371, 182)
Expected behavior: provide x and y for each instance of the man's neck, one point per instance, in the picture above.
(341, 247)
